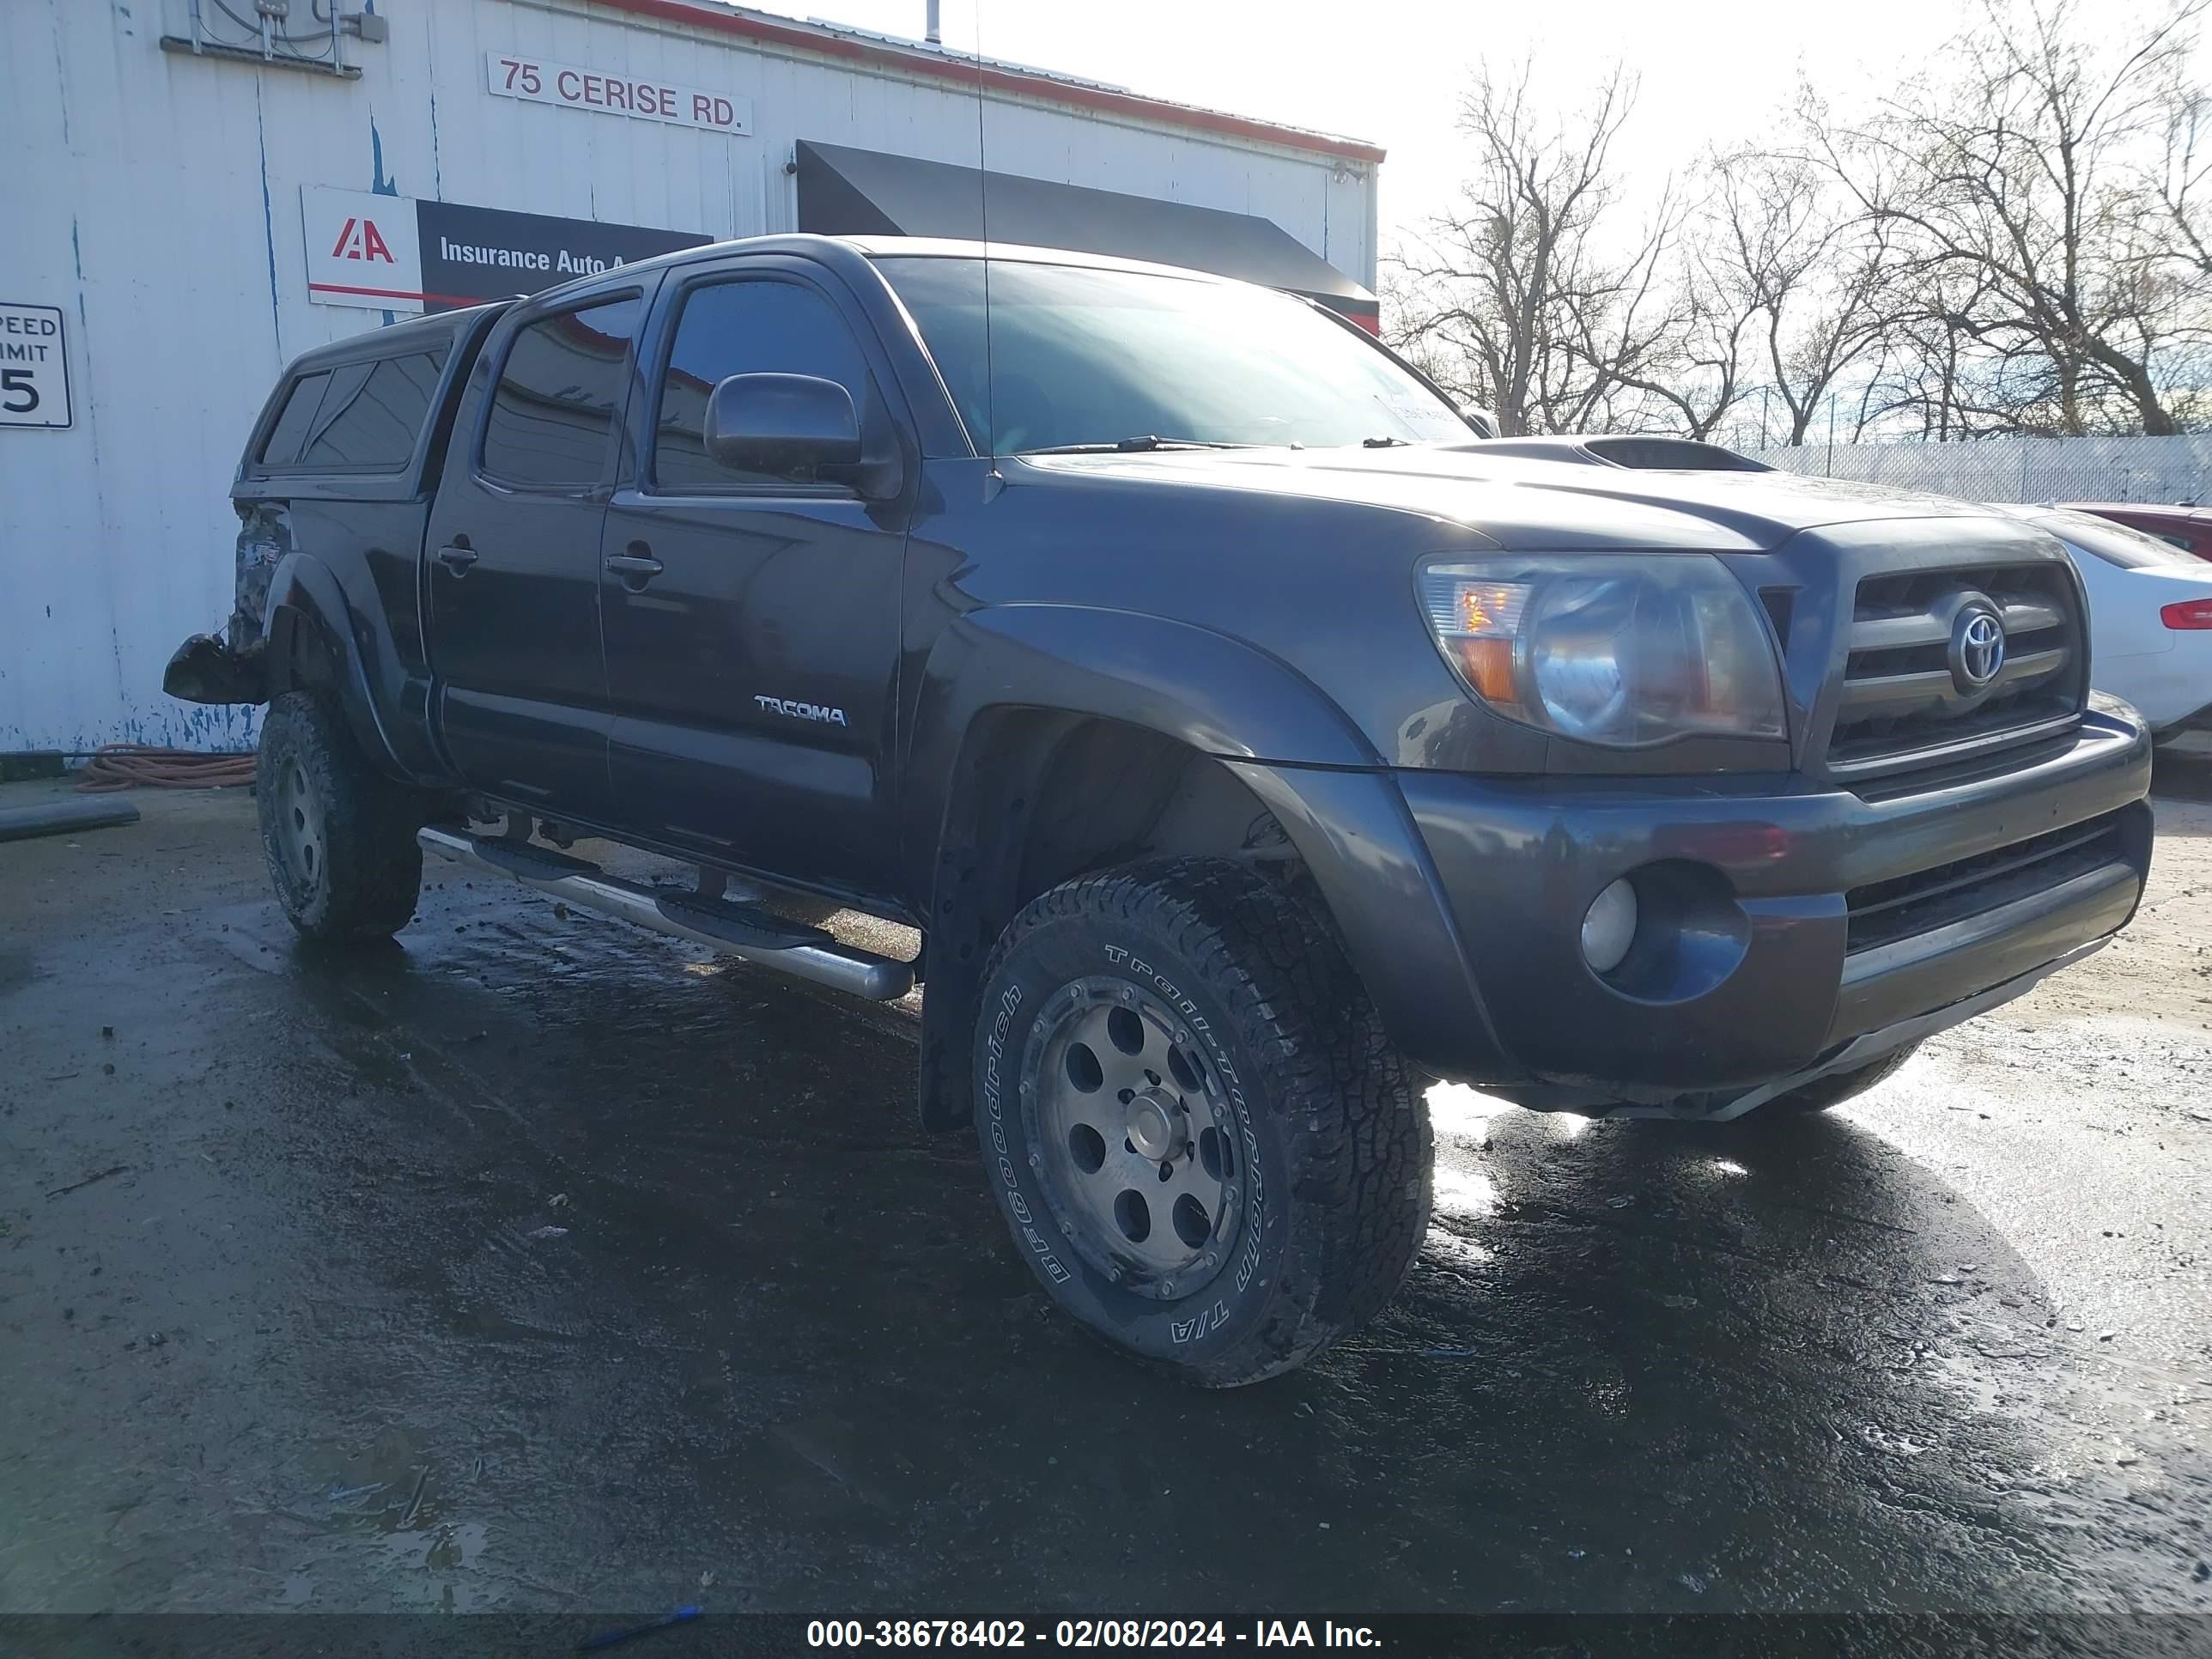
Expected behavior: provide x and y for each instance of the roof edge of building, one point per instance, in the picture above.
(968, 72)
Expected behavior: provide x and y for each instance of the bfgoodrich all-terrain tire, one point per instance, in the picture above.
(1204, 1146)
(338, 834)
(1836, 1087)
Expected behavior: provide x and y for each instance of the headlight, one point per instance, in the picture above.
(1609, 649)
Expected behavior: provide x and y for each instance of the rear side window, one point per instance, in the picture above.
(745, 327)
(559, 390)
(373, 413)
(282, 447)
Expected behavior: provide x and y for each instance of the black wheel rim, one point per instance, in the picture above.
(1134, 1138)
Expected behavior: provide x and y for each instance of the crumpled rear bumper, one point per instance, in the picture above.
(205, 670)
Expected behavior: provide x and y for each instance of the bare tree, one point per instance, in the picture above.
(1682, 367)
(1782, 292)
(2019, 240)
(1522, 297)
(2006, 186)
(1930, 373)
(1815, 276)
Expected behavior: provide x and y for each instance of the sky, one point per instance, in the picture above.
(1393, 72)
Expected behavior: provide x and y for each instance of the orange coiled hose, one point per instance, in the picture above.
(144, 766)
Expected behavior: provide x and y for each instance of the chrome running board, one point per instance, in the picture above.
(749, 932)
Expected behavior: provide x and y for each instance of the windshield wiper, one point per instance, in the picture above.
(1137, 446)
(1385, 443)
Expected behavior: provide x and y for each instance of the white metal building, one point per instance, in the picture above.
(195, 189)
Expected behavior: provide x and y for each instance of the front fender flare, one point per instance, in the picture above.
(1358, 837)
(1212, 693)
(1290, 744)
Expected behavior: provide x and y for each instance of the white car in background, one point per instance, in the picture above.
(2150, 618)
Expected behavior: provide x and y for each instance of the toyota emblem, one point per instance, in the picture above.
(1977, 647)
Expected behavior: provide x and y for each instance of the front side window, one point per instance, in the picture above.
(744, 327)
(560, 391)
(1081, 357)
(374, 412)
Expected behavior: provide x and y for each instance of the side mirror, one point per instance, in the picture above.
(782, 423)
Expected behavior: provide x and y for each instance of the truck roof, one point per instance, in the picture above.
(394, 339)
(465, 327)
(871, 248)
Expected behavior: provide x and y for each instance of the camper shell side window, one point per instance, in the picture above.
(366, 418)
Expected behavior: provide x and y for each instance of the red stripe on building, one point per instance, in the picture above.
(967, 75)
(393, 294)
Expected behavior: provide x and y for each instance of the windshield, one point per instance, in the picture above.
(1080, 357)
(2122, 544)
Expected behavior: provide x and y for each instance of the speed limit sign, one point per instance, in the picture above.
(35, 389)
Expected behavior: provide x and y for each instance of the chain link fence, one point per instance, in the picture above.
(2020, 468)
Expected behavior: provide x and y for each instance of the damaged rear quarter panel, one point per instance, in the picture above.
(265, 537)
(233, 668)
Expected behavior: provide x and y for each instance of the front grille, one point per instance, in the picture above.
(1883, 911)
(1901, 707)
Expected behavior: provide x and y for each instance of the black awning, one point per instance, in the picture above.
(865, 192)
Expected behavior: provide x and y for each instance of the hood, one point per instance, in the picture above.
(1524, 505)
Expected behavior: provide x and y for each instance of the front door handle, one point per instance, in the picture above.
(458, 557)
(637, 566)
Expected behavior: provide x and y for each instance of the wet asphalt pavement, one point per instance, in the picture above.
(533, 1264)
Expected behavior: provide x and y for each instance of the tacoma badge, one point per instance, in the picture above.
(803, 711)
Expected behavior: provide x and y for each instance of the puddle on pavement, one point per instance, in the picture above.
(423, 1567)
(787, 1325)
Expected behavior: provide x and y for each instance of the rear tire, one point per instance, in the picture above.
(338, 834)
(1205, 1147)
(1836, 1088)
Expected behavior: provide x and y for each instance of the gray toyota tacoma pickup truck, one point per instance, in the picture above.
(1248, 738)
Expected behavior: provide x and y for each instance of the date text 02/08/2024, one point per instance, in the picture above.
(1078, 1633)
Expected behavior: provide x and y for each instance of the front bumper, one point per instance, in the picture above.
(1755, 971)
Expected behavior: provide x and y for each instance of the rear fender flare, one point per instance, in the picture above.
(313, 645)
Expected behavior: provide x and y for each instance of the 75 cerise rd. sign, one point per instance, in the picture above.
(611, 92)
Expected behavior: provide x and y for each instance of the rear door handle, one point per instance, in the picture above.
(458, 557)
(636, 567)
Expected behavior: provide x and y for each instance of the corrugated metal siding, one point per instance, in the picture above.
(156, 200)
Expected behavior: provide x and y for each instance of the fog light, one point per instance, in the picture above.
(1609, 927)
